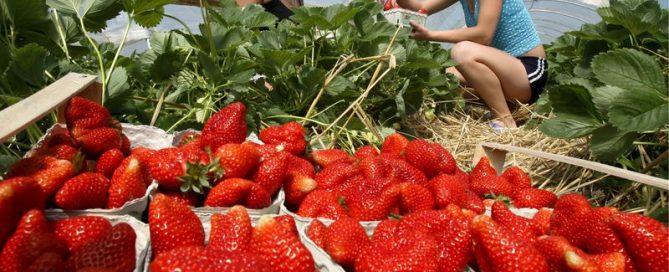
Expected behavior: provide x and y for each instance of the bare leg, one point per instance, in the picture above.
(495, 76)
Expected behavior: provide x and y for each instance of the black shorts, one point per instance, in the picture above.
(537, 74)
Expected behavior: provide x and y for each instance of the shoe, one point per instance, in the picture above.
(498, 127)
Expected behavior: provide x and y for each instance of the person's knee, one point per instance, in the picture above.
(464, 52)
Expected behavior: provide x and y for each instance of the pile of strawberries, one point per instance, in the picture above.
(572, 237)
(85, 166)
(178, 241)
(85, 243)
(404, 177)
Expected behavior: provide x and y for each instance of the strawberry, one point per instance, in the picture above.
(385, 230)
(196, 258)
(172, 224)
(394, 145)
(59, 137)
(326, 157)
(454, 243)
(227, 126)
(405, 172)
(61, 152)
(447, 190)
(126, 146)
(300, 166)
(115, 250)
(518, 178)
(542, 219)
(188, 199)
(533, 198)
(127, 183)
(96, 141)
(288, 222)
(601, 237)
(279, 247)
(230, 192)
(379, 206)
(165, 166)
(185, 169)
(267, 150)
(335, 175)
(375, 168)
(81, 230)
(191, 137)
(323, 204)
(429, 157)
(610, 262)
(482, 171)
(231, 232)
(366, 151)
(291, 135)
(297, 188)
(85, 191)
(645, 239)
(49, 261)
(317, 232)
(237, 160)
(109, 161)
(50, 173)
(17, 195)
(345, 240)
(563, 256)
(473, 202)
(493, 185)
(271, 173)
(81, 112)
(144, 154)
(403, 250)
(30, 241)
(519, 225)
(414, 197)
(571, 218)
(498, 249)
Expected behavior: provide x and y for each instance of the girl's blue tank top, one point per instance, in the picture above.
(515, 32)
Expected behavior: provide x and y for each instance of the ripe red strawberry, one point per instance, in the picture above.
(542, 219)
(226, 126)
(115, 250)
(237, 160)
(406, 249)
(447, 190)
(272, 172)
(345, 241)
(165, 166)
(280, 248)
(454, 243)
(498, 249)
(81, 230)
(59, 137)
(300, 166)
(81, 112)
(126, 146)
(323, 204)
(288, 222)
(266, 150)
(231, 232)
(144, 154)
(188, 199)
(385, 230)
(405, 172)
(533, 198)
(571, 218)
(190, 137)
(473, 202)
(562, 256)
(291, 135)
(610, 262)
(109, 161)
(429, 157)
(17, 195)
(524, 228)
(517, 177)
(326, 157)
(49, 261)
(85, 191)
(236, 191)
(377, 207)
(61, 152)
(333, 176)
(127, 183)
(32, 239)
(317, 232)
(196, 258)
(297, 188)
(493, 185)
(366, 151)
(50, 173)
(646, 240)
(601, 237)
(414, 197)
(96, 141)
(394, 145)
(172, 225)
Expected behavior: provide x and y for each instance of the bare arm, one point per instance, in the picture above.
(482, 33)
(432, 6)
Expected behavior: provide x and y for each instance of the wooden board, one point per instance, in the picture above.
(496, 153)
(19, 116)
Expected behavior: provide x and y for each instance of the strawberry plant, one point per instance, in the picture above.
(610, 84)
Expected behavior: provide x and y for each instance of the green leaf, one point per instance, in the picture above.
(637, 16)
(165, 66)
(95, 13)
(339, 85)
(70, 7)
(608, 143)
(242, 77)
(629, 69)
(575, 111)
(603, 96)
(118, 83)
(6, 161)
(5, 57)
(146, 13)
(568, 128)
(27, 14)
(639, 111)
(30, 63)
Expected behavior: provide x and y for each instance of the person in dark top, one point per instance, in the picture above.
(280, 8)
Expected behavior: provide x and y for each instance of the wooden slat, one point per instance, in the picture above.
(497, 153)
(19, 116)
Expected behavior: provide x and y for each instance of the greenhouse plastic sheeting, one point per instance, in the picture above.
(552, 18)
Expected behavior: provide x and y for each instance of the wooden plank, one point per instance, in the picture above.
(494, 150)
(19, 116)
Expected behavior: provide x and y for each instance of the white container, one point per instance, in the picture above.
(204, 213)
(142, 242)
(402, 17)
